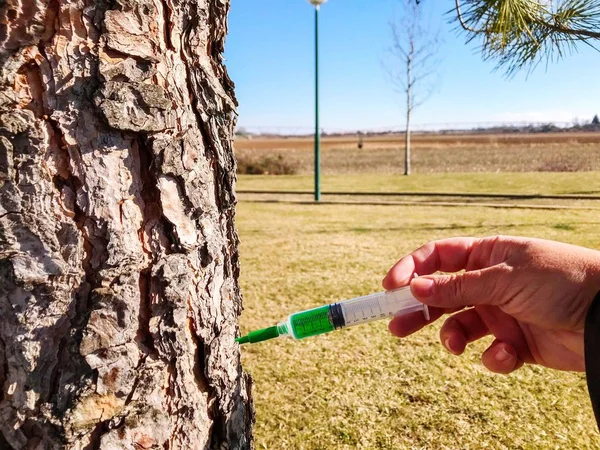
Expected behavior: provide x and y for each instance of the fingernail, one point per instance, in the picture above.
(502, 355)
(447, 345)
(422, 287)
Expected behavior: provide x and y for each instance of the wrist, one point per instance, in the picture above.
(591, 287)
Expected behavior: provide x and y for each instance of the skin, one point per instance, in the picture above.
(532, 295)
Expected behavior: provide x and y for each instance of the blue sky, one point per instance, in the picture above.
(270, 50)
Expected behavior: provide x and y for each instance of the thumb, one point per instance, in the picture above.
(456, 290)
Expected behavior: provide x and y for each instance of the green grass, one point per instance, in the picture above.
(361, 387)
(524, 183)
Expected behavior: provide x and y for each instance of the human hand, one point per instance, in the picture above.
(532, 295)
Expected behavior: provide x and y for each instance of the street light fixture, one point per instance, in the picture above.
(317, 4)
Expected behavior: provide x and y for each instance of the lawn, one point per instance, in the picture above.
(363, 388)
(584, 183)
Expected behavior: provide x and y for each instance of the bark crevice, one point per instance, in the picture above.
(167, 25)
(3, 369)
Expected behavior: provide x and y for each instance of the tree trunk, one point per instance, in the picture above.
(409, 101)
(119, 266)
(407, 145)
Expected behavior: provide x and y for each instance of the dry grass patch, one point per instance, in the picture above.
(438, 153)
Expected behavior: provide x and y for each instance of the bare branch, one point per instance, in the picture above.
(414, 50)
(462, 22)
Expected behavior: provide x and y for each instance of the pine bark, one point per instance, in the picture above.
(119, 267)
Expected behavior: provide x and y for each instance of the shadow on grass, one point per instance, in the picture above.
(557, 226)
(580, 192)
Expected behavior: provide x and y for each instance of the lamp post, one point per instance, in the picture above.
(317, 4)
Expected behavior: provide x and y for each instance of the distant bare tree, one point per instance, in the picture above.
(413, 73)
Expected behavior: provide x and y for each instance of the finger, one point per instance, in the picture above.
(405, 325)
(501, 357)
(461, 329)
(452, 291)
(400, 274)
(506, 329)
(446, 255)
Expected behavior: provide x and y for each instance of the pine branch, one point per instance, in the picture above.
(519, 33)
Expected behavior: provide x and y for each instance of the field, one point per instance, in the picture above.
(546, 152)
(361, 387)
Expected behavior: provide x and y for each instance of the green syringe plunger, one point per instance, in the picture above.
(344, 314)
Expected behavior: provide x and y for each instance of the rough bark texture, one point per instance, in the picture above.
(119, 265)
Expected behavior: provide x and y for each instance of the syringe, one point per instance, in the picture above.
(344, 314)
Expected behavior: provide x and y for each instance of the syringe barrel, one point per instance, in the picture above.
(311, 322)
(379, 306)
(352, 312)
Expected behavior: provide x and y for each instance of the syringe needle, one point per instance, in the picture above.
(263, 334)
